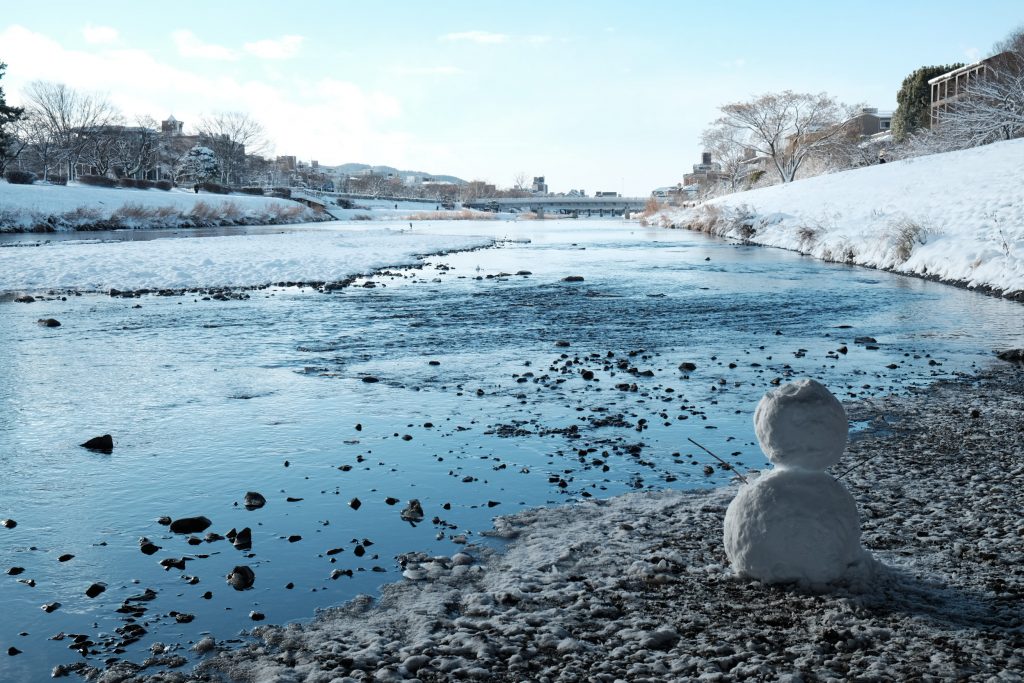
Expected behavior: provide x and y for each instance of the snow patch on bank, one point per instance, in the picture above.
(956, 217)
(54, 207)
(322, 254)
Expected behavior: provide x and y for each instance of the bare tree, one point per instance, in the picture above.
(787, 127)
(730, 149)
(519, 181)
(67, 115)
(990, 110)
(135, 151)
(232, 136)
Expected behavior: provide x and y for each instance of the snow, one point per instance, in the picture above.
(801, 424)
(326, 253)
(24, 207)
(794, 525)
(957, 216)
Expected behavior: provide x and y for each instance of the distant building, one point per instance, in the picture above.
(171, 126)
(707, 172)
(539, 186)
(872, 121)
(606, 194)
(287, 163)
(949, 87)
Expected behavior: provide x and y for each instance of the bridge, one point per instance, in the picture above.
(572, 206)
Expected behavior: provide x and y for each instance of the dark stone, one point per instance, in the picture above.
(65, 557)
(561, 343)
(95, 589)
(24, 299)
(434, 362)
(163, 521)
(14, 571)
(573, 278)
(190, 525)
(147, 547)
(355, 503)
(687, 366)
(182, 617)
(51, 607)
(413, 511)
(588, 375)
(1012, 355)
(864, 340)
(8, 523)
(49, 322)
(257, 616)
(243, 539)
(169, 563)
(370, 379)
(103, 444)
(294, 538)
(390, 501)
(254, 500)
(359, 551)
(13, 651)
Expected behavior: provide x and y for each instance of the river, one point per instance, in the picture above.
(478, 384)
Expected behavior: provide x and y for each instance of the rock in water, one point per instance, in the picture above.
(1012, 355)
(794, 525)
(104, 444)
(801, 424)
(8, 523)
(413, 512)
(190, 525)
(95, 589)
(241, 578)
(243, 539)
(49, 322)
(254, 500)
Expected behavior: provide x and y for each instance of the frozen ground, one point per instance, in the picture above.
(638, 588)
(957, 217)
(42, 208)
(319, 254)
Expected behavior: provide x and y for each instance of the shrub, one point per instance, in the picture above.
(251, 190)
(58, 180)
(213, 188)
(128, 182)
(808, 237)
(97, 180)
(651, 207)
(145, 184)
(345, 203)
(20, 177)
(163, 185)
(906, 234)
(132, 212)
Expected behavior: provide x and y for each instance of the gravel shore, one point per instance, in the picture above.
(638, 588)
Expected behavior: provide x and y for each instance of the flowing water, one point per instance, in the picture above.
(495, 391)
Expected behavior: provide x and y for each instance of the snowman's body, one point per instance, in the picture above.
(797, 523)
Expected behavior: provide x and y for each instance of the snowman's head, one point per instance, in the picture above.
(801, 424)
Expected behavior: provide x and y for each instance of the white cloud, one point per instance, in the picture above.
(973, 54)
(480, 37)
(284, 47)
(426, 70)
(189, 45)
(99, 35)
(538, 39)
(330, 120)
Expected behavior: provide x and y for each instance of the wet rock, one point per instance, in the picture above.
(687, 366)
(243, 539)
(95, 589)
(241, 578)
(169, 563)
(370, 379)
(66, 557)
(413, 511)
(295, 538)
(182, 617)
(864, 340)
(204, 645)
(562, 344)
(48, 322)
(190, 525)
(359, 551)
(434, 362)
(573, 278)
(163, 521)
(50, 607)
(14, 571)
(391, 501)
(104, 444)
(1012, 355)
(254, 500)
(24, 299)
(462, 559)
(147, 547)
(13, 651)
(8, 523)
(355, 503)
(257, 616)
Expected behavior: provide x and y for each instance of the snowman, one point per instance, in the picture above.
(797, 523)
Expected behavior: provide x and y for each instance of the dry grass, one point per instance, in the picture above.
(651, 207)
(906, 234)
(461, 215)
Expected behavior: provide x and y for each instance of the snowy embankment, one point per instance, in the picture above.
(326, 254)
(639, 588)
(956, 217)
(48, 208)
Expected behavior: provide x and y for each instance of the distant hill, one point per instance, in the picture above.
(352, 169)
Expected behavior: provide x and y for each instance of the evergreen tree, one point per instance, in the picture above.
(8, 115)
(913, 101)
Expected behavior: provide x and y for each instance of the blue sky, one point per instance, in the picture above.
(593, 95)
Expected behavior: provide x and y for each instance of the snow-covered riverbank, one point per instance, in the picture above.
(638, 588)
(47, 208)
(957, 217)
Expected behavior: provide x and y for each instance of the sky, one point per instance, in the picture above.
(595, 95)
